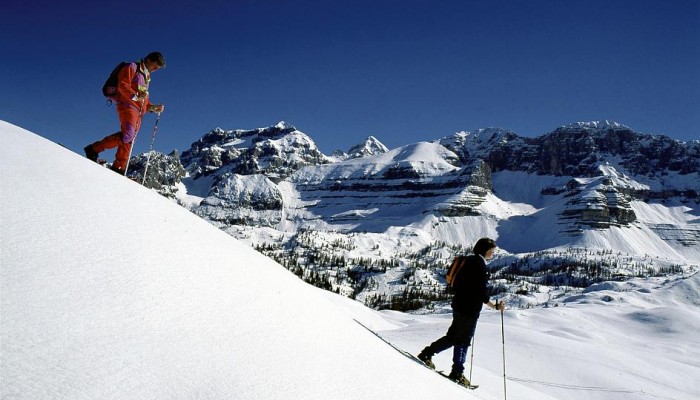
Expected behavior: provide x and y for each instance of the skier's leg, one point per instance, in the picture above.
(465, 326)
(459, 357)
(109, 142)
(123, 151)
(129, 120)
(437, 346)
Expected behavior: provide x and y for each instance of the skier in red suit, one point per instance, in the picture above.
(132, 101)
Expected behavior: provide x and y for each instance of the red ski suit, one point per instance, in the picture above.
(134, 79)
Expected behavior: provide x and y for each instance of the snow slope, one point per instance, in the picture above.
(616, 342)
(110, 291)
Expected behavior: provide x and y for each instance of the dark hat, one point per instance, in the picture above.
(483, 245)
(156, 57)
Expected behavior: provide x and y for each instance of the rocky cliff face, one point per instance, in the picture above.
(275, 152)
(599, 203)
(243, 168)
(370, 193)
(592, 150)
(577, 149)
(242, 200)
(571, 149)
(449, 177)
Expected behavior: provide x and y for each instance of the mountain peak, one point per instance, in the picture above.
(275, 151)
(282, 125)
(485, 135)
(596, 125)
(371, 146)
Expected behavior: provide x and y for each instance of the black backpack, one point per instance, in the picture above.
(109, 89)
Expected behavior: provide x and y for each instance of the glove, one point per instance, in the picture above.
(140, 96)
(156, 108)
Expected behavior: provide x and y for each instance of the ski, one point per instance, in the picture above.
(418, 360)
(470, 386)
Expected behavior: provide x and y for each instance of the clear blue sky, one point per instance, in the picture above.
(403, 71)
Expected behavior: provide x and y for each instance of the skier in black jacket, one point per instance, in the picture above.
(471, 291)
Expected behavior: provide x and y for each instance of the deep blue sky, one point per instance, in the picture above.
(339, 70)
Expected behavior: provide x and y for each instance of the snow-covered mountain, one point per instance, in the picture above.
(369, 147)
(275, 152)
(404, 213)
(110, 291)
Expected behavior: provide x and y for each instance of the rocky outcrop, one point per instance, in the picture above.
(243, 200)
(576, 150)
(599, 205)
(164, 172)
(276, 152)
(590, 150)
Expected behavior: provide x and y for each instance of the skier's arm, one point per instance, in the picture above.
(126, 75)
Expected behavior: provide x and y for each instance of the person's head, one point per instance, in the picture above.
(485, 247)
(154, 61)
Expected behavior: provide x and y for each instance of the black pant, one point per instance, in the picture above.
(459, 335)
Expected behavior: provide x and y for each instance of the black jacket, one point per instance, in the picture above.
(471, 289)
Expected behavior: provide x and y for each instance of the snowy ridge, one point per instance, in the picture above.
(426, 159)
(596, 125)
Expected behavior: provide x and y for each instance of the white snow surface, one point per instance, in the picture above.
(110, 291)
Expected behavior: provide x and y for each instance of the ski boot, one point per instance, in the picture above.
(427, 360)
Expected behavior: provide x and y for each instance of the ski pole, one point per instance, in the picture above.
(128, 161)
(503, 342)
(150, 149)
